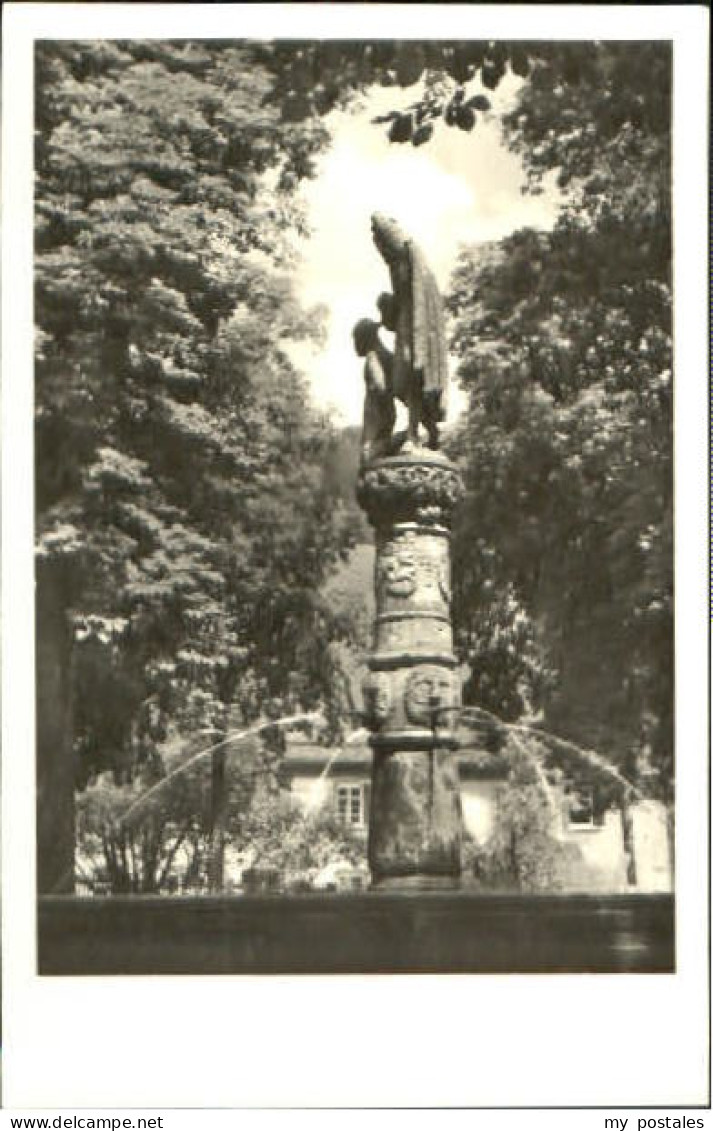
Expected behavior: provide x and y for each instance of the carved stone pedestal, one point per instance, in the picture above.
(412, 691)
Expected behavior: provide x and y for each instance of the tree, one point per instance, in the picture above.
(153, 833)
(281, 838)
(144, 854)
(564, 553)
(524, 851)
(174, 438)
(177, 454)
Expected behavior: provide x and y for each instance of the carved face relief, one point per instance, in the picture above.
(397, 572)
(376, 690)
(428, 689)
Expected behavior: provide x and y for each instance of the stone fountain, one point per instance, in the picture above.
(408, 490)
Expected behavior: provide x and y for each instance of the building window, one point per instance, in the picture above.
(350, 804)
(580, 807)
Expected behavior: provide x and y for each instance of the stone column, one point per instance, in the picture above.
(413, 686)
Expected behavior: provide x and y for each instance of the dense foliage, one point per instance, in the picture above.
(525, 851)
(203, 503)
(563, 559)
(156, 834)
(450, 79)
(179, 461)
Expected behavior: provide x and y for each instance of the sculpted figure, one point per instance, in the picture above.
(379, 411)
(414, 312)
(396, 572)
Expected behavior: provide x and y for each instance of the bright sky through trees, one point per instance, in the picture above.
(461, 188)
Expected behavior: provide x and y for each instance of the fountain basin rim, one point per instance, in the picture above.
(376, 931)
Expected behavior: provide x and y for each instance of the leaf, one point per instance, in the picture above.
(479, 102)
(422, 134)
(402, 128)
(519, 62)
(464, 118)
(410, 64)
(491, 73)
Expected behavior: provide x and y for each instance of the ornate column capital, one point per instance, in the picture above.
(422, 487)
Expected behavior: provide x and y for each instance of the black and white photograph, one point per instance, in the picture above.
(357, 601)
